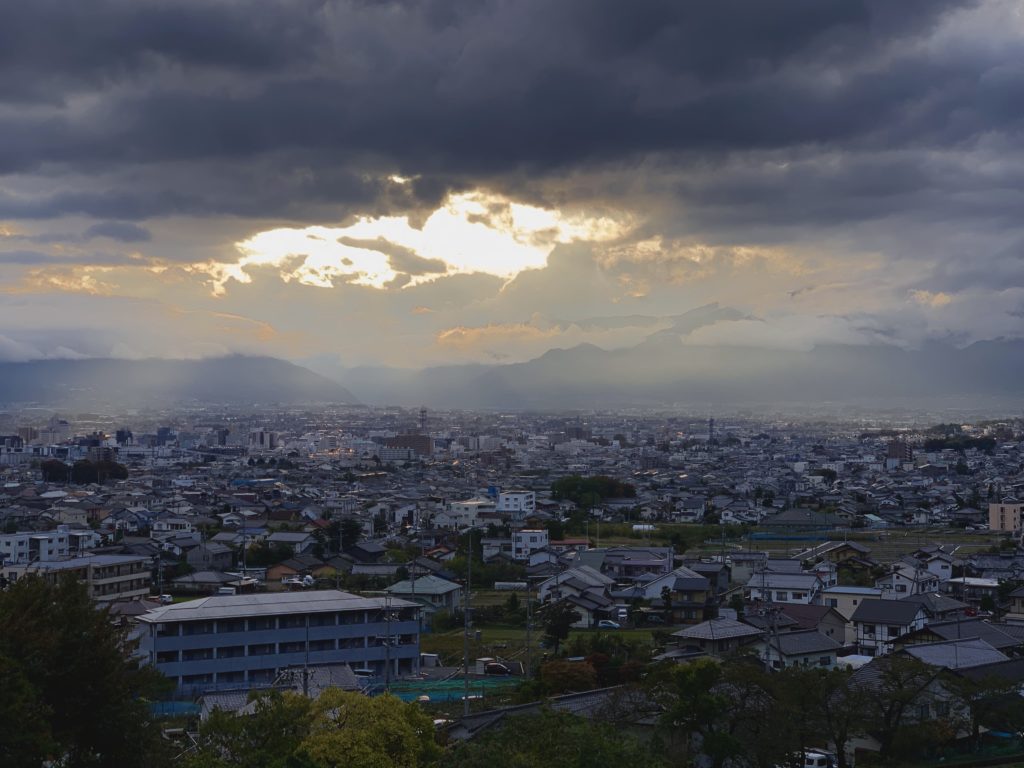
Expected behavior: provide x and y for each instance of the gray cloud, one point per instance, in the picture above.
(870, 132)
(400, 258)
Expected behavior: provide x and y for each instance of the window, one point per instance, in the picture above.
(321, 645)
(923, 711)
(197, 627)
(291, 622)
(781, 596)
(262, 649)
(942, 709)
(869, 629)
(231, 652)
(323, 620)
(894, 631)
(833, 603)
(167, 657)
(261, 622)
(825, 661)
(295, 647)
(901, 587)
(197, 654)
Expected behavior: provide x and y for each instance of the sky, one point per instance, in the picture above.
(423, 182)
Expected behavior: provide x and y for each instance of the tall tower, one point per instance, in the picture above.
(423, 420)
(711, 430)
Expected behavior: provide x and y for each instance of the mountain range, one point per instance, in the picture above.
(234, 379)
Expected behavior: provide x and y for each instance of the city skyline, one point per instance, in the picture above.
(414, 185)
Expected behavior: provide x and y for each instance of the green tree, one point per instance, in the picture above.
(269, 737)
(67, 662)
(695, 708)
(25, 736)
(566, 676)
(557, 619)
(353, 731)
(552, 740)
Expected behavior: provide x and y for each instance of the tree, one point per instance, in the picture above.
(54, 471)
(77, 692)
(351, 730)
(557, 619)
(566, 676)
(287, 730)
(267, 738)
(551, 740)
(694, 710)
(894, 688)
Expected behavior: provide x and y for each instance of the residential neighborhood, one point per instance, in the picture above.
(240, 563)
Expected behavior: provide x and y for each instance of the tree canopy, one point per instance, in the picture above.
(70, 692)
(287, 730)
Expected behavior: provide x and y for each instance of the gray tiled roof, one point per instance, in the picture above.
(956, 654)
(874, 611)
(718, 629)
(803, 642)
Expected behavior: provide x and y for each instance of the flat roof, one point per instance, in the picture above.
(268, 604)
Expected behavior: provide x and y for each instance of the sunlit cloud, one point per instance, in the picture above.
(471, 232)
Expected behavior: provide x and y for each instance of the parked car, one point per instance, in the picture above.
(654, 619)
(496, 668)
(608, 624)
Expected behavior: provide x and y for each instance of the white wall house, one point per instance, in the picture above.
(528, 540)
(518, 504)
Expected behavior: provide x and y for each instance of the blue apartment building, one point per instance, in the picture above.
(243, 641)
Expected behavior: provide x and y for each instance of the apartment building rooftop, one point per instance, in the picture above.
(268, 604)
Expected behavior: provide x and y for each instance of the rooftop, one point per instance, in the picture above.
(267, 604)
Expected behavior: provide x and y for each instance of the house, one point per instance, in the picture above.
(962, 629)
(298, 542)
(1016, 609)
(821, 618)
(526, 541)
(210, 555)
(719, 636)
(906, 579)
(774, 587)
(692, 598)
(879, 623)
(972, 590)
(834, 552)
(571, 582)
(366, 552)
(803, 648)
(296, 568)
(717, 573)
(938, 606)
(433, 590)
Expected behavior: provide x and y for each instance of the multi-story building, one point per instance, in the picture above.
(528, 540)
(1005, 515)
(108, 577)
(34, 546)
(239, 641)
(518, 504)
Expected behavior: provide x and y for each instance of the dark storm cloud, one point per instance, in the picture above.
(279, 107)
(122, 231)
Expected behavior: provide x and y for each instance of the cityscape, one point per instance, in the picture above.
(512, 384)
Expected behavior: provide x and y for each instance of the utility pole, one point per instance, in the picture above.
(466, 626)
(387, 643)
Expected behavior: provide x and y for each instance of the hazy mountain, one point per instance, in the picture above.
(234, 379)
(665, 370)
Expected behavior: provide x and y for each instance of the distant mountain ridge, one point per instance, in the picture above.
(665, 370)
(234, 379)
